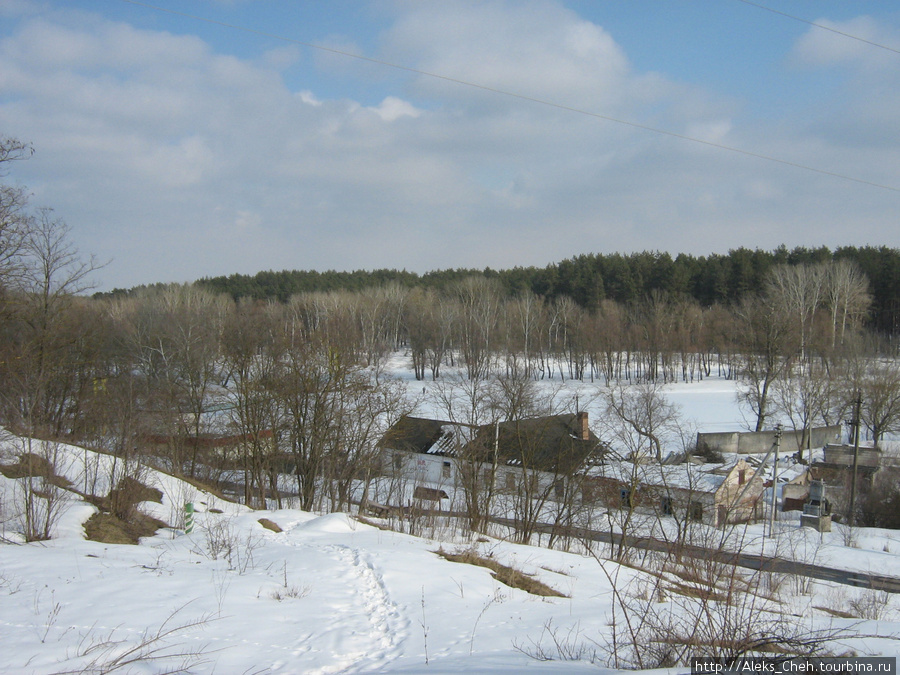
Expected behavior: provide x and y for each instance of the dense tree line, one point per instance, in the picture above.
(590, 279)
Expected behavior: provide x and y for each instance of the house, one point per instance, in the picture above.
(424, 449)
(437, 452)
(716, 497)
(835, 470)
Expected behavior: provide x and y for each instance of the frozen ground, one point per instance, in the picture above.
(330, 594)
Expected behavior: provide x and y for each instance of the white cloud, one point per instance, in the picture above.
(393, 108)
(818, 47)
(309, 98)
(179, 162)
(863, 110)
(536, 49)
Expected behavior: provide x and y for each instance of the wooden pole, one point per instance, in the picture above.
(851, 517)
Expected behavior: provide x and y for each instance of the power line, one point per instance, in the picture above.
(822, 26)
(522, 97)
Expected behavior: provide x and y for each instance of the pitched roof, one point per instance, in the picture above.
(417, 434)
(553, 443)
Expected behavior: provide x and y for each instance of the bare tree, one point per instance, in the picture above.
(879, 389)
(478, 299)
(40, 383)
(537, 453)
(847, 298)
(640, 419)
(15, 222)
(305, 388)
(251, 351)
(763, 335)
(427, 321)
(638, 422)
(798, 291)
(472, 403)
(804, 397)
(525, 316)
(364, 410)
(174, 335)
(607, 340)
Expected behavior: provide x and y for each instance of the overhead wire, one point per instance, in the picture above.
(522, 97)
(821, 26)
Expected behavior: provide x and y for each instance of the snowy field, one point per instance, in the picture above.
(330, 594)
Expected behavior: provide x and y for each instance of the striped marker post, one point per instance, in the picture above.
(188, 517)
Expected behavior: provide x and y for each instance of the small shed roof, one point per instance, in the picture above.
(689, 477)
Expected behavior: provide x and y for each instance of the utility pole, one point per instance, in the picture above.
(851, 517)
(775, 480)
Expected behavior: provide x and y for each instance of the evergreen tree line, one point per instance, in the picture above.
(589, 279)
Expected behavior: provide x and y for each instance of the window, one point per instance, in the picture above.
(665, 506)
(742, 477)
(445, 470)
(510, 481)
(695, 511)
(625, 497)
(398, 463)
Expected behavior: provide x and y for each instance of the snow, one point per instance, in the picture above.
(332, 594)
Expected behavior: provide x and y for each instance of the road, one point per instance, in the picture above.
(746, 560)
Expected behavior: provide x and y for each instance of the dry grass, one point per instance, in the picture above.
(374, 523)
(841, 614)
(507, 575)
(119, 520)
(110, 529)
(269, 525)
(30, 465)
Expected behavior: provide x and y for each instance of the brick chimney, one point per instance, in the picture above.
(584, 432)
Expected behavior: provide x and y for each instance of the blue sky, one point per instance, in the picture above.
(178, 148)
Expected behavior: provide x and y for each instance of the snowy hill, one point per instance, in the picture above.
(332, 594)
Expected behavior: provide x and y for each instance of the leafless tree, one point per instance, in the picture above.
(174, 335)
(15, 222)
(806, 397)
(305, 389)
(847, 298)
(640, 419)
(525, 316)
(798, 291)
(473, 403)
(251, 350)
(878, 385)
(478, 300)
(43, 329)
(428, 321)
(607, 340)
(764, 338)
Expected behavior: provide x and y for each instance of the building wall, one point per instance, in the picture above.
(739, 494)
(434, 469)
(439, 470)
(755, 442)
(843, 455)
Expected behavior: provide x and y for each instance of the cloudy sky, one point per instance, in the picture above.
(190, 138)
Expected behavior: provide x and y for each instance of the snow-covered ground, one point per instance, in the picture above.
(330, 594)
